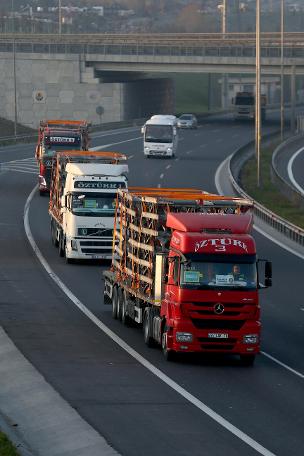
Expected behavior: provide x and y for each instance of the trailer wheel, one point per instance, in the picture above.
(114, 303)
(53, 234)
(61, 245)
(247, 360)
(126, 320)
(147, 328)
(119, 303)
(169, 355)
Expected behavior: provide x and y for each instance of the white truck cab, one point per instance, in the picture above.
(160, 136)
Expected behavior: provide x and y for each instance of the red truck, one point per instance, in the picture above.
(55, 136)
(184, 266)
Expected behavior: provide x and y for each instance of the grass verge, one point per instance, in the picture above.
(6, 447)
(267, 194)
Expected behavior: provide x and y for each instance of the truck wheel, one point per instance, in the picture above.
(119, 303)
(247, 360)
(114, 303)
(147, 328)
(61, 246)
(53, 234)
(125, 319)
(169, 355)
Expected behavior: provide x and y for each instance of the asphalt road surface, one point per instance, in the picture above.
(135, 410)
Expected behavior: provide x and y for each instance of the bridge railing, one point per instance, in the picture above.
(200, 45)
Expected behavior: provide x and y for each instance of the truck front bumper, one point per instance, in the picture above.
(244, 341)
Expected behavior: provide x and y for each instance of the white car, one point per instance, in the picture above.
(187, 121)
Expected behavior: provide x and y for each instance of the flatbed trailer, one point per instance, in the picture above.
(165, 241)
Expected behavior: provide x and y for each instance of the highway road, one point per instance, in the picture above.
(290, 164)
(140, 403)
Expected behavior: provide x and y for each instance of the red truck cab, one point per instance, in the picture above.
(210, 298)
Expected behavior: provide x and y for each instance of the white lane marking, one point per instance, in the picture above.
(275, 241)
(219, 139)
(130, 156)
(18, 170)
(290, 173)
(161, 176)
(139, 358)
(168, 166)
(283, 364)
(181, 139)
(158, 185)
(215, 131)
(97, 135)
(203, 145)
(188, 152)
(236, 135)
(114, 144)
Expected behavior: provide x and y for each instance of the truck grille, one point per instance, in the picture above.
(232, 309)
(217, 323)
(94, 247)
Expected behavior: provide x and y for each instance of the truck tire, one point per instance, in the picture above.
(114, 303)
(119, 303)
(147, 328)
(247, 360)
(169, 355)
(125, 319)
(61, 245)
(53, 234)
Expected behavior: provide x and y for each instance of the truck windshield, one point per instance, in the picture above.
(94, 204)
(220, 272)
(244, 101)
(159, 133)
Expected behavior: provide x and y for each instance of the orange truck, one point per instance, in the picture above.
(184, 266)
(56, 135)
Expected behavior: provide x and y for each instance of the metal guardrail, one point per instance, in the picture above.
(235, 165)
(282, 184)
(194, 45)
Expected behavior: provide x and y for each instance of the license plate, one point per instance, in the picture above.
(218, 335)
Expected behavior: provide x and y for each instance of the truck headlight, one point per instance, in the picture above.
(184, 337)
(169, 150)
(251, 339)
(74, 244)
(147, 149)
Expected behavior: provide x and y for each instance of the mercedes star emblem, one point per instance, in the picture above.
(219, 308)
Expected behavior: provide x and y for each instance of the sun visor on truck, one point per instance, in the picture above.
(210, 223)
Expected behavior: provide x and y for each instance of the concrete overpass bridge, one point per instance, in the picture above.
(128, 58)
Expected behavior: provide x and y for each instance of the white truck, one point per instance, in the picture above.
(82, 202)
(160, 136)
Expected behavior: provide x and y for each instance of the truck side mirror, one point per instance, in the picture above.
(143, 130)
(268, 274)
(174, 131)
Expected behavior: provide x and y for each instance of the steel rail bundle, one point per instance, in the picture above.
(140, 227)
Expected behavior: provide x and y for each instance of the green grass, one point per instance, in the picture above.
(191, 92)
(267, 194)
(6, 448)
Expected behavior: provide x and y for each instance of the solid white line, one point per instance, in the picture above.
(19, 170)
(272, 239)
(161, 176)
(283, 364)
(158, 185)
(130, 156)
(168, 166)
(144, 362)
(290, 173)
